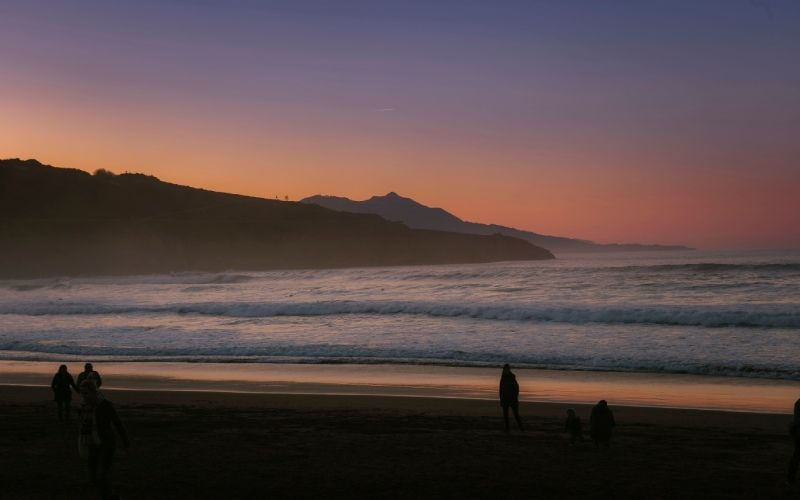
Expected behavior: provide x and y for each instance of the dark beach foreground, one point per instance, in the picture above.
(232, 445)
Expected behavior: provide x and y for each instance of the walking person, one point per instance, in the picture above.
(97, 440)
(509, 396)
(88, 373)
(794, 431)
(62, 386)
(601, 424)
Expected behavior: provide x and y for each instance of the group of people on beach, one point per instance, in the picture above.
(601, 419)
(99, 421)
(97, 440)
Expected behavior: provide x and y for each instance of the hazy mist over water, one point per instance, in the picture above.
(697, 312)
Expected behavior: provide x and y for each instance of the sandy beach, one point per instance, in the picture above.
(237, 444)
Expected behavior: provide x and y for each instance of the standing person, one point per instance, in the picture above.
(62, 386)
(601, 423)
(88, 373)
(794, 431)
(509, 395)
(97, 440)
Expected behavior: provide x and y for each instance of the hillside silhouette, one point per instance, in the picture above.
(59, 221)
(416, 215)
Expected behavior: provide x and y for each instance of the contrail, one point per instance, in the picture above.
(763, 4)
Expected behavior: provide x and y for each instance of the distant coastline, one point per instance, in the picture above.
(58, 221)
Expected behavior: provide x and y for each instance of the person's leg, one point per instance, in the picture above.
(505, 417)
(515, 407)
(94, 461)
(794, 462)
(60, 405)
(67, 409)
(104, 470)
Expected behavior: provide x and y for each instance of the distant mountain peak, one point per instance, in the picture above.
(397, 208)
(391, 197)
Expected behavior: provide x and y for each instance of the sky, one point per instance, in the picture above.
(672, 121)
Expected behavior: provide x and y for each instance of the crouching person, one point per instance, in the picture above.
(573, 426)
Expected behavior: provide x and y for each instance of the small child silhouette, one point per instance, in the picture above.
(573, 426)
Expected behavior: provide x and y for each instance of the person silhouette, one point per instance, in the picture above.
(601, 424)
(97, 440)
(573, 426)
(509, 396)
(88, 373)
(794, 432)
(62, 386)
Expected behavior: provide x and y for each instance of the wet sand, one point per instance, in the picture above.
(243, 445)
(563, 386)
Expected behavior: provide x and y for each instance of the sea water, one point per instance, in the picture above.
(708, 313)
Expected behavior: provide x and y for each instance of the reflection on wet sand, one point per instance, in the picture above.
(634, 389)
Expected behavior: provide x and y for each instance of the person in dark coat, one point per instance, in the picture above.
(601, 424)
(573, 426)
(794, 431)
(509, 396)
(88, 373)
(97, 439)
(62, 386)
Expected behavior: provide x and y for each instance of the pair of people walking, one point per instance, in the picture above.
(63, 384)
(97, 440)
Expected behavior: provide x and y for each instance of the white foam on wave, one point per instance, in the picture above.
(752, 315)
(326, 354)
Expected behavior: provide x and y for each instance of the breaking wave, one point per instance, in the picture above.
(350, 354)
(516, 272)
(716, 267)
(766, 316)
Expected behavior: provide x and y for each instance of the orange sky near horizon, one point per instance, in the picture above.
(680, 211)
(668, 132)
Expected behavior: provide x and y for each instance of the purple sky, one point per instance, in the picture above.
(671, 122)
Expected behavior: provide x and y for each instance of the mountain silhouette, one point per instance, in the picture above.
(58, 221)
(416, 215)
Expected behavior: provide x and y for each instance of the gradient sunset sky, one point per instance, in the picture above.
(637, 121)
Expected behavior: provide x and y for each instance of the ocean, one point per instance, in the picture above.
(723, 313)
